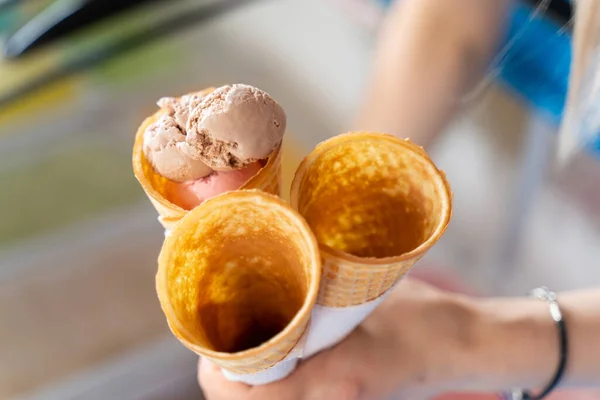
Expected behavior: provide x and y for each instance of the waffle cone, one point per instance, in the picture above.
(160, 190)
(376, 205)
(238, 278)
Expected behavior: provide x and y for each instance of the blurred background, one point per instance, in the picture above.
(79, 318)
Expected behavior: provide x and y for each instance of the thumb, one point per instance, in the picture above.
(215, 385)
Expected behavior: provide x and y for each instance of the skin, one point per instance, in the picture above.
(422, 341)
(429, 54)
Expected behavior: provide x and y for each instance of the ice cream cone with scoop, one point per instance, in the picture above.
(202, 144)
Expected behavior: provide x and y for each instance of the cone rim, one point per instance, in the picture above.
(343, 256)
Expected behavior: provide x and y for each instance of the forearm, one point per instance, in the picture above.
(430, 52)
(519, 344)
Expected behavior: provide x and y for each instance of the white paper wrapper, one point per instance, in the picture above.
(328, 326)
(167, 231)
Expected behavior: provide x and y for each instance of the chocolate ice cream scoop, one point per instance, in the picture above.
(166, 149)
(180, 107)
(235, 126)
(226, 129)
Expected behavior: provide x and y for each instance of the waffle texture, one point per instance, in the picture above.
(376, 204)
(238, 278)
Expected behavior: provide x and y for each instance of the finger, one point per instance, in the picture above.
(216, 386)
(312, 380)
(284, 389)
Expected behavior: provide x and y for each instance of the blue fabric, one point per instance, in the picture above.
(537, 66)
(385, 3)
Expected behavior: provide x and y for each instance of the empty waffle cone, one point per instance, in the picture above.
(161, 191)
(238, 278)
(376, 205)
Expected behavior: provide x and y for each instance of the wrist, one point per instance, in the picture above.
(517, 345)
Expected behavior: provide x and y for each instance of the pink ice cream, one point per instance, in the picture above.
(192, 193)
(214, 143)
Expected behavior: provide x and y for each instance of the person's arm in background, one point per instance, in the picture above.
(430, 53)
(461, 343)
(422, 341)
(523, 337)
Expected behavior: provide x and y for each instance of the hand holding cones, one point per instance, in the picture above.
(254, 284)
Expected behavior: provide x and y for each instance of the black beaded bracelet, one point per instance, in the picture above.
(543, 293)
